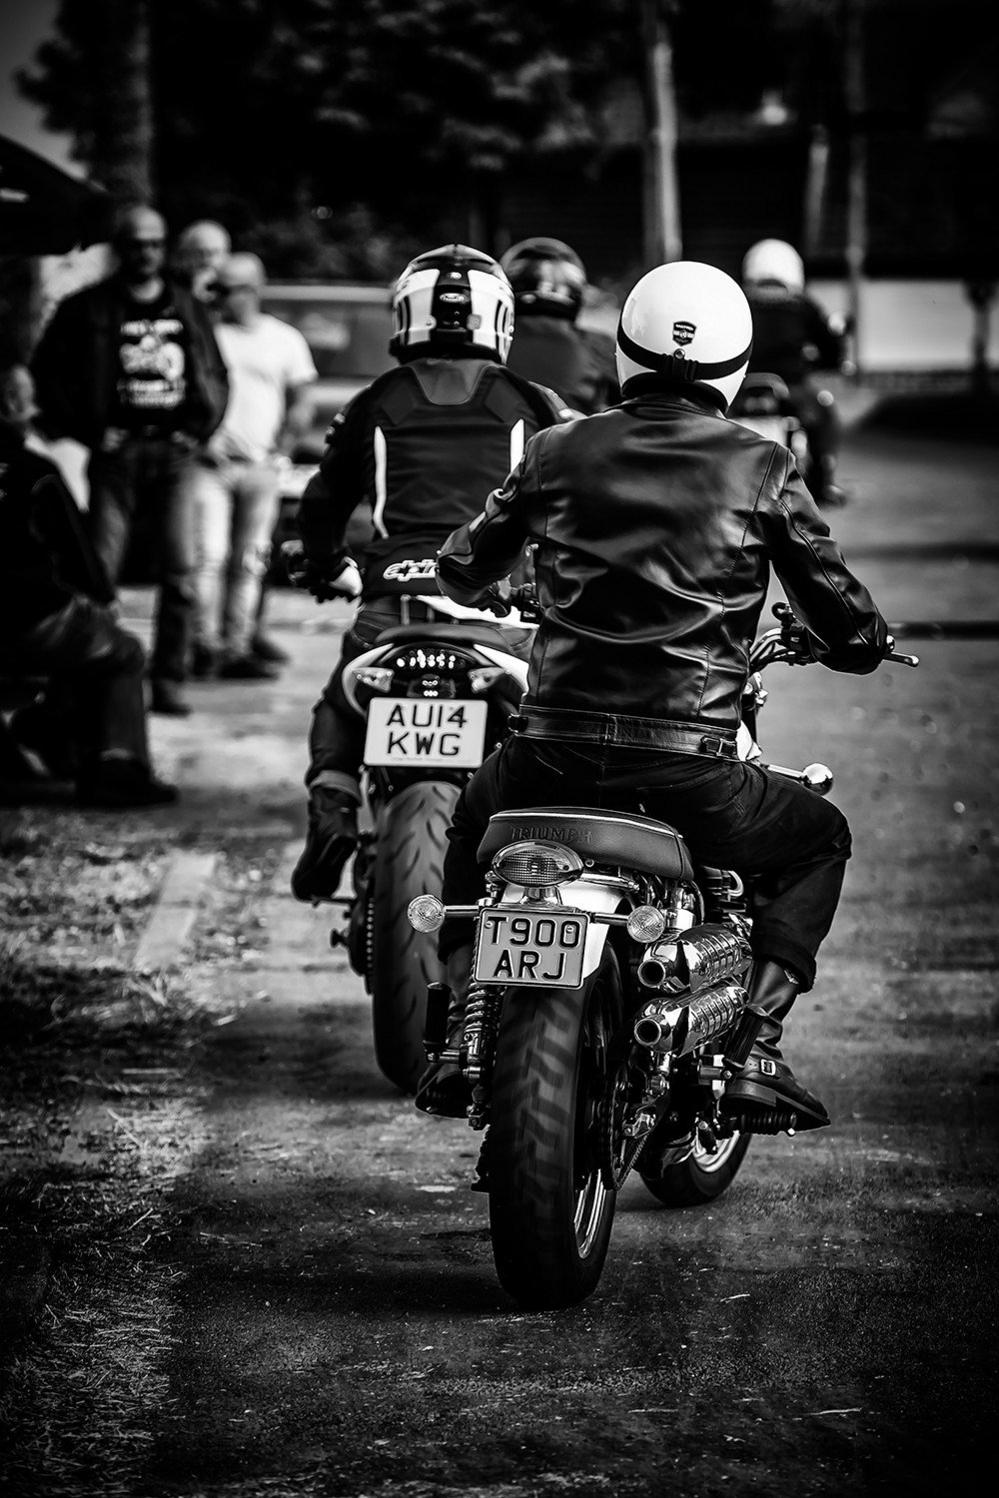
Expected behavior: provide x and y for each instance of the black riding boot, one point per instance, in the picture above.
(763, 1078)
(442, 1090)
(331, 839)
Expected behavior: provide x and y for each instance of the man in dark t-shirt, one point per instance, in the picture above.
(130, 368)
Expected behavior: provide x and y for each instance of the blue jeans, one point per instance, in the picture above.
(147, 476)
(788, 842)
(235, 507)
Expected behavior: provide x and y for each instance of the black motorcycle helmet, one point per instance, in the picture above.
(547, 276)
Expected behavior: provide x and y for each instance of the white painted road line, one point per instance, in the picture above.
(173, 914)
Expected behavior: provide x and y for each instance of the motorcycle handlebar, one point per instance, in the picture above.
(791, 643)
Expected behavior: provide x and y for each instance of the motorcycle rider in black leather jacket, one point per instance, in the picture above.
(418, 446)
(549, 282)
(656, 525)
(792, 338)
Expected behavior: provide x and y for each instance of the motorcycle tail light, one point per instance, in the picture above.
(377, 678)
(646, 924)
(426, 913)
(482, 679)
(430, 685)
(535, 865)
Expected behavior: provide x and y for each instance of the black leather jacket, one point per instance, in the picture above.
(656, 525)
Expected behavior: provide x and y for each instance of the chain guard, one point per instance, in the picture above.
(616, 1153)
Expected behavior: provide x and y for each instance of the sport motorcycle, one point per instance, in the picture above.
(608, 980)
(436, 696)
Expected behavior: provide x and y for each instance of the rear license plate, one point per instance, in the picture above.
(425, 731)
(540, 947)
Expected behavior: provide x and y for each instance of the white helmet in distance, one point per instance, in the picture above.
(774, 260)
(449, 299)
(686, 323)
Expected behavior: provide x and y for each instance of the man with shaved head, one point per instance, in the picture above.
(236, 477)
(130, 368)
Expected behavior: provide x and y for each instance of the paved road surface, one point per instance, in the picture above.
(828, 1328)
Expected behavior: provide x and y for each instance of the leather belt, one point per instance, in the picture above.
(624, 732)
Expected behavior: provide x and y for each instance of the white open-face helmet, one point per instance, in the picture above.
(452, 298)
(688, 323)
(774, 260)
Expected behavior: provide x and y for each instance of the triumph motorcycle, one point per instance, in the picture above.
(608, 979)
(436, 696)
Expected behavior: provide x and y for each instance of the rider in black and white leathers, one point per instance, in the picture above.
(415, 450)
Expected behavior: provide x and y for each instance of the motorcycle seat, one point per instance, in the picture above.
(618, 837)
(458, 634)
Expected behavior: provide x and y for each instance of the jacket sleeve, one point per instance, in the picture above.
(334, 490)
(55, 367)
(489, 547)
(58, 524)
(208, 391)
(848, 633)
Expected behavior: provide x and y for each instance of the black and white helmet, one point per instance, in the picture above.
(449, 299)
(688, 323)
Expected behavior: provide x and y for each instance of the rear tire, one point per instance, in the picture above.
(550, 1212)
(697, 1177)
(409, 861)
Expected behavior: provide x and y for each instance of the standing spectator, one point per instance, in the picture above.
(129, 367)
(56, 623)
(236, 479)
(200, 249)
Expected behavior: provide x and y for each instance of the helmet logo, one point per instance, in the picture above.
(452, 296)
(683, 332)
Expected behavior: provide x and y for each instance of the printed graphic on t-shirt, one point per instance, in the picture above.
(152, 358)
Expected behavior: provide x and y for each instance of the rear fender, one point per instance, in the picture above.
(579, 894)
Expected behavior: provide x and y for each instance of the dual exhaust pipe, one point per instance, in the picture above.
(698, 977)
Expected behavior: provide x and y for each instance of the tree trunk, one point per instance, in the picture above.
(123, 137)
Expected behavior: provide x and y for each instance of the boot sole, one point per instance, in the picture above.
(755, 1094)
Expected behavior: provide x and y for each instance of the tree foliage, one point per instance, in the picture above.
(269, 111)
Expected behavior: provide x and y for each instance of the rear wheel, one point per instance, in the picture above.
(550, 1210)
(409, 861)
(692, 1175)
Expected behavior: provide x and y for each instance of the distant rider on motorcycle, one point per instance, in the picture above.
(420, 446)
(549, 284)
(656, 525)
(792, 337)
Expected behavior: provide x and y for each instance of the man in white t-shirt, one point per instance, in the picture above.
(237, 478)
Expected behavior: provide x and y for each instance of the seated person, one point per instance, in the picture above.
(56, 622)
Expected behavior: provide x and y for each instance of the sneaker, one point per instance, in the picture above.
(246, 668)
(124, 783)
(331, 838)
(167, 700)
(265, 649)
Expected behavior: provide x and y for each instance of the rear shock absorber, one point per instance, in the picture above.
(478, 1047)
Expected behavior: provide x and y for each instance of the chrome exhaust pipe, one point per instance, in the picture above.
(694, 960)
(679, 1028)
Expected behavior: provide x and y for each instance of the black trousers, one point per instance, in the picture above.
(789, 842)
(95, 682)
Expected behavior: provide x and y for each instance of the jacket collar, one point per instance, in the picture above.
(651, 394)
